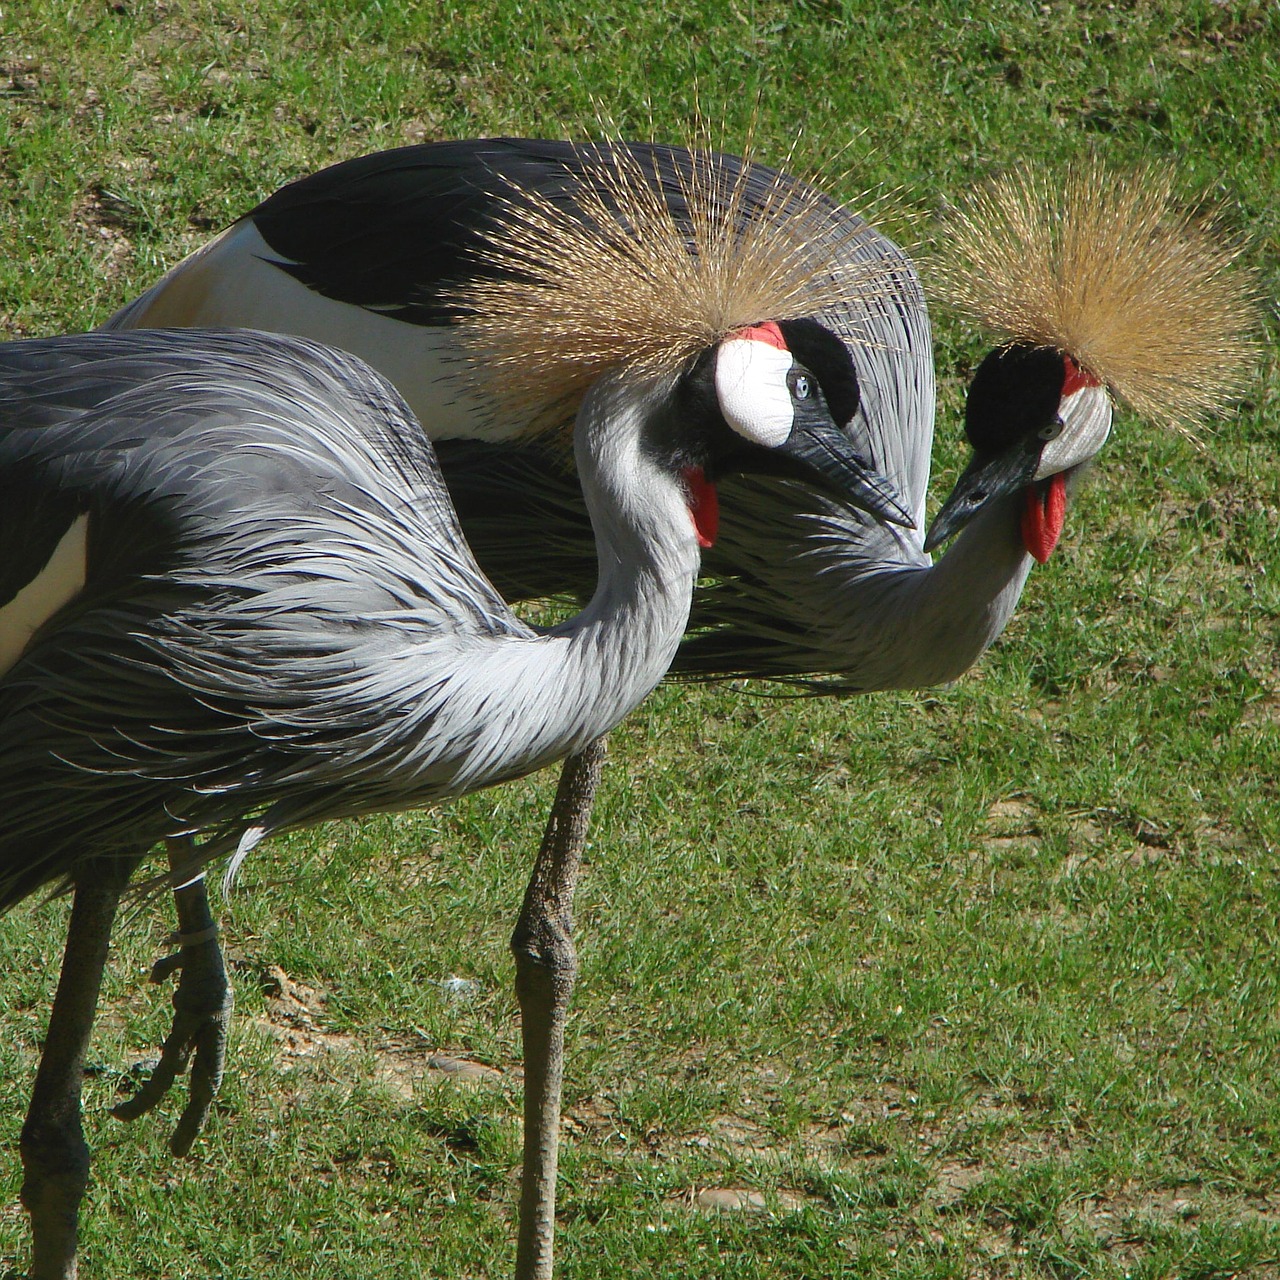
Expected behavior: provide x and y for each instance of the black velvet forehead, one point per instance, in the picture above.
(827, 358)
(1015, 393)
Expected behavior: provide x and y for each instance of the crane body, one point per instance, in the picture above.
(313, 661)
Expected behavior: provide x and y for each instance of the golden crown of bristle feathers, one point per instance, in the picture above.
(1104, 266)
(614, 278)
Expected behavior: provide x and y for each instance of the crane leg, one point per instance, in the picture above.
(202, 1004)
(546, 965)
(55, 1159)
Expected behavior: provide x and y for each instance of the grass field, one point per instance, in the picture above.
(979, 981)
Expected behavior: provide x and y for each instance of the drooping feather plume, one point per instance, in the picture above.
(650, 255)
(1107, 268)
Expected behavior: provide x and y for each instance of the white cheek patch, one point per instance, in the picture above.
(58, 583)
(751, 385)
(1087, 417)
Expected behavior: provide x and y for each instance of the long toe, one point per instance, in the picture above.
(203, 1003)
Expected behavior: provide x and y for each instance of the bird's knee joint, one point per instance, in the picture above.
(55, 1161)
(549, 948)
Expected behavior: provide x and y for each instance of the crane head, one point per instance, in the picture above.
(777, 398)
(1097, 277)
(1034, 417)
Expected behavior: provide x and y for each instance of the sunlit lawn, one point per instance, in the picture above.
(976, 981)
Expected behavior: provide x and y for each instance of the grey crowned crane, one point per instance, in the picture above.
(1097, 286)
(235, 599)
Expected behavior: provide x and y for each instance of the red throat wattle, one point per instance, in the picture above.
(704, 506)
(1044, 515)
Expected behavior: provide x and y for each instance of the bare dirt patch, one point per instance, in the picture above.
(294, 1020)
(1012, 817)
(954, 1179)
(744, 1199)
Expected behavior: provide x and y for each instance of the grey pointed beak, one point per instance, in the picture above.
(825, 456)
(984, 479)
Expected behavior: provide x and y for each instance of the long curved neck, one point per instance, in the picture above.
(927, 625)
(646, 551)
(837, 594)
(576, 681)
(936, 622)
(943, 618)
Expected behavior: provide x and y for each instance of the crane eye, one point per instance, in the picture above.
(801, 386)
(1052, 430)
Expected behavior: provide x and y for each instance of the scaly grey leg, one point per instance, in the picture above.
(55, 1159)
(202, 1003)
(546, 965)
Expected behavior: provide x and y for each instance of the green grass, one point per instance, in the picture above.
(973, 982)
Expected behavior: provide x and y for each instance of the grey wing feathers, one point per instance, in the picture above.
(268, 539)
(891, 343)
(203, 425)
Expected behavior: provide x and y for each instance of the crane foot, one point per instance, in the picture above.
(202, 1004)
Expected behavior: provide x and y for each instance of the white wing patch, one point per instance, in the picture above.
(751, 385)
(57, 584)
(233, 281)
(1086, 415)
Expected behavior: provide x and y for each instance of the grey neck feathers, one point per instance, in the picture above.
(950, 614)
(919, 625)
(947, 616)
(857, 600)
(580, 678)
